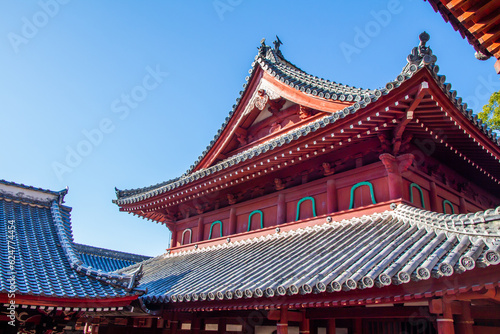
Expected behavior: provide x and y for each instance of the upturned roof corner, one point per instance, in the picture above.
(271, 62)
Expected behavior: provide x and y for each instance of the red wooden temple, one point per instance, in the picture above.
(324, 208)
(317, 208)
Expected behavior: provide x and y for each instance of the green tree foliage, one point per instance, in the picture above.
(491, 112)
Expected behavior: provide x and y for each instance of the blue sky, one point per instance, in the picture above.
(140, 88)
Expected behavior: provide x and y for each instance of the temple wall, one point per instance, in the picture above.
(418, 185)
(429, 185)
(354, 188)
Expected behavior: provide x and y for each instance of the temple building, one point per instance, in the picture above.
(324, 208)
(317, 208)
(48, 283)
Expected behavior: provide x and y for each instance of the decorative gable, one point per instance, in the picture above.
(297, 147)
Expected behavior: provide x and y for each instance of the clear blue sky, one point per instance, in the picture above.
(70, 68)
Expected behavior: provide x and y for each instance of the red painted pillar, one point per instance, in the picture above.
(221, 327)
(195, 324)
(201, 229)
(395, 185)
(173, 241)
(331, 326)
(465, 323)
(174, 324)
(281, 216)
(394, 179)
(232, 221)
(283, 322)
(463, 205)
(445, 325)
(304, 327)
(331, 196)
(445, 321)
(358, 326)
(433, 197)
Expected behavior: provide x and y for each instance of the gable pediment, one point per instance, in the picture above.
(266, 110)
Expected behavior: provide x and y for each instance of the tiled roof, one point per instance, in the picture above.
(294, 77)
(9, 187)
(420, 57)
(392, 247)
(275, 64)
(37, 233)
(106, 259)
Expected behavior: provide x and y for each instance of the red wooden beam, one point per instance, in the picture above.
(408, 117)
(291, 315)
(69, 302)
(368, 312)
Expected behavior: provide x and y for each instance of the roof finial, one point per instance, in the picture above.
(277, 43)
(424, 38)
(420, 55)
(263, 47)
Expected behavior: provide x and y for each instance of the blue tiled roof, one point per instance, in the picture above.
(106, 259)
(36, 230)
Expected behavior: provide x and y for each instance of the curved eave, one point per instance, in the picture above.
(407, 248)
(91, 302)
(457, 287)
(477, 24)
(458, 131)
(328, 97)
(468, 121)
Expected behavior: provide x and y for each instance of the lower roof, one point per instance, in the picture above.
(38, 257)
(389, 248)
(107, 259)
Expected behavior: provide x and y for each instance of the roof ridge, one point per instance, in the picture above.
(24, 199)
(60, 194)
(104, 252)
(470, 224)
(126, 281)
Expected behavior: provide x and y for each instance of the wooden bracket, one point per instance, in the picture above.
(403, 122)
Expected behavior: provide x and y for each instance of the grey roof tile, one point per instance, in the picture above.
(393, 247)
(106, 259)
